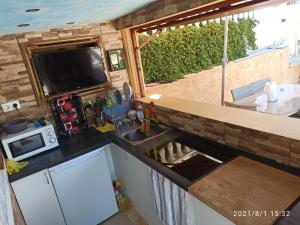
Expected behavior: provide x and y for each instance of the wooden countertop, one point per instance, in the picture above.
(244, 184)
(273, 124)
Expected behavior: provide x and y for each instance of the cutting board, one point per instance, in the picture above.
(248, 192)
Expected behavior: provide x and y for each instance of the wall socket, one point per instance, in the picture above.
(7, 107)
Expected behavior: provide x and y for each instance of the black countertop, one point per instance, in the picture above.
(91, 139)
(69, 148)
(138, 151)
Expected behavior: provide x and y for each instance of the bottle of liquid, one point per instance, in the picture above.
(147, 126)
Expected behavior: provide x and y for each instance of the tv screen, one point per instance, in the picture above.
(69, 69)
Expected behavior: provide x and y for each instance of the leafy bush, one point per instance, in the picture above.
(175, 53)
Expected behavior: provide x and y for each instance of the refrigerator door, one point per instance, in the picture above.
(84, 189)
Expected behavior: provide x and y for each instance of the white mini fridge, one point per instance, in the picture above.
(84, 189)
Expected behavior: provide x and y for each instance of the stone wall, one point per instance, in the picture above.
(14, 80)
(281, 149)
(205, 86)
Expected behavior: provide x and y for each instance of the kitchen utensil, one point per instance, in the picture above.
(118, 97)
(111, 96)
(131, 114)
(128, 92)
(15, 126)
(109, 103)
(140, 116)
(98, 122)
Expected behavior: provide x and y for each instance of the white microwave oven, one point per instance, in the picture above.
(29, 142)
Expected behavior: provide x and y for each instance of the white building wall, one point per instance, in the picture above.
(279, 25)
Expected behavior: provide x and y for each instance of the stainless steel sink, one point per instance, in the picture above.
(137, 137)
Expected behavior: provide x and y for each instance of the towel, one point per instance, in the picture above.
(170, 200)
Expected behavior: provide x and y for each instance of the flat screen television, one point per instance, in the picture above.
(66, 70)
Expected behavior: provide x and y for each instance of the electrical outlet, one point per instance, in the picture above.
(9, 106)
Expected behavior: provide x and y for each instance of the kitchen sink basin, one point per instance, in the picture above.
(136, 136)
(190, 156)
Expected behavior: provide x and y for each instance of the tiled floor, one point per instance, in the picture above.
(118, 219)
(130, 217)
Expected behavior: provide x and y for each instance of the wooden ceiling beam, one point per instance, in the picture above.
(159, 10)
(210, 12)
(217, 4)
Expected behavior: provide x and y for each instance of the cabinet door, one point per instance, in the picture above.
(6, 211)
(201, 214)
(135, 175)
(37, 200)
(84, 189)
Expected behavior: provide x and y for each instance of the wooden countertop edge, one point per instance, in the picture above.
(268, 123)
(211, 205)
(225, 214)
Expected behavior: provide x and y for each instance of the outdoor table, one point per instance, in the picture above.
(288, 101)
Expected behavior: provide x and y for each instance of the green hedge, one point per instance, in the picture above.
(191, 49)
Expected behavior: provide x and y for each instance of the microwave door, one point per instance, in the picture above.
(26, 145)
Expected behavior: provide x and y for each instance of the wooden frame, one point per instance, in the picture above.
(218, 9)
(138, 62)
(28, 49)
(131, 63)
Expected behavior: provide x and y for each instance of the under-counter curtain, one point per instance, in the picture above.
(170, 200)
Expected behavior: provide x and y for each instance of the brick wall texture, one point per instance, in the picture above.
(281, 149)
(14, 80)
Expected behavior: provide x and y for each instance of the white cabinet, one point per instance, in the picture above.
(6, 211)
(201, 214)
(75, 192)
(139, 188)
(84, 189)
(37, 199)
(135, 175)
